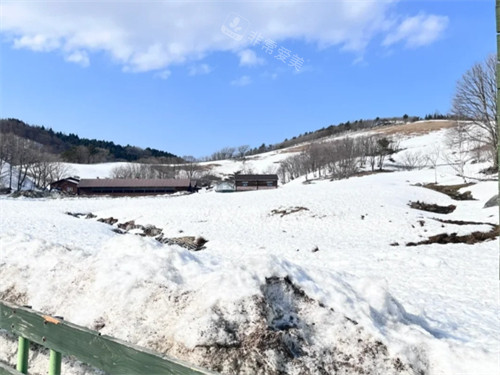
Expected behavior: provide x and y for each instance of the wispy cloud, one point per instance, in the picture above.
(164, 74)
(417, 31)
(195, 70)
(248, 57)
(242, 81)
(79, 57)
(37, 42)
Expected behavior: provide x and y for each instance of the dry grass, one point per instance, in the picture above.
(295, 149)
(421, 127)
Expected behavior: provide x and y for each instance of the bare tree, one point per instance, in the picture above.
(433, 158)
(133, 170)
(46, 168)
(475, 101)
(344, 157)
(413, 159)
(243, 150)
(24, 153)
(457, 155)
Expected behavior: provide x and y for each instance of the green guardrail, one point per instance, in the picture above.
(63, 338)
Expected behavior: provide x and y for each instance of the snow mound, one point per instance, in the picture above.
(222, 315)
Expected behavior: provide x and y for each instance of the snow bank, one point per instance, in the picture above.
(307, 278)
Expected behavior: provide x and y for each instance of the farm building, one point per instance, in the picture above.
(67, 185)
(244, 182)
(131, 187)
(224, 187)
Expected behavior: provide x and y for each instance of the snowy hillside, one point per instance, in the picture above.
(311, 277)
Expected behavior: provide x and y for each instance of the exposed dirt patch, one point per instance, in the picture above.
(470, 239)
(432, 207)
(452, 191)
(288, 211)
(461, 222)
(188, 242)
(420, 127)
(278, 336)
(12, 295)
(76, 214)
(108, 220)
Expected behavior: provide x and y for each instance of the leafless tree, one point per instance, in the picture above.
(458, 155)
(46, 168)
(292, 167)
(413, 160)
(432, 159)
(343, 158)
(371, 152)
(242, 151)
(475, 101)
(224, 153)
(133, 170)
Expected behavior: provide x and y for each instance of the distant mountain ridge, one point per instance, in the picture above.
(72, 148)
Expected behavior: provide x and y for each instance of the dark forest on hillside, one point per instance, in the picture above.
(72, 148)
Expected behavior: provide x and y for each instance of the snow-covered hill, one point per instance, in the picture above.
(308, 278)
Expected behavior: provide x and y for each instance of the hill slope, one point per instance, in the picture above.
(305, 279)
(72, 148)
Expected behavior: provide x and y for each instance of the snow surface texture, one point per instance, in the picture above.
(301, 279)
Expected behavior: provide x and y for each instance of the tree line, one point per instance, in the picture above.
(73, 149)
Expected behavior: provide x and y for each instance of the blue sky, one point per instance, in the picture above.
(192, 77)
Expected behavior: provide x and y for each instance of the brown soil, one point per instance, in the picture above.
(288, 211)
(432, 207)
(14, 296)
(188, 242)
(452, 191)
(470, 239)
(275, 339)
(461, 222)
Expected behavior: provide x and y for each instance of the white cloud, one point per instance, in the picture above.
(38, 42)
(79, 57)
(199, 69)
(249, 58)
(164, 74)
(155, 35)
(242, 81)
(418, 31)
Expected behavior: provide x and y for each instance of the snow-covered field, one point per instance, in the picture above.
(306, 278)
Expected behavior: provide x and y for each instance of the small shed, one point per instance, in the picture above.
(224, 187)
(66, 185)
(244, 182)
(134, 187)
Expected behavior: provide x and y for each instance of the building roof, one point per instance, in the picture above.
(134, 182)
(74, 180)
(256, 177)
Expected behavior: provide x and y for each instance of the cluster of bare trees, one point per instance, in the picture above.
(21, 158)
(338, 159)
(475, 103)
(189, 169)
(227, 153)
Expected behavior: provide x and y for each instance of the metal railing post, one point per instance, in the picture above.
(54, 363)
(22, 355)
